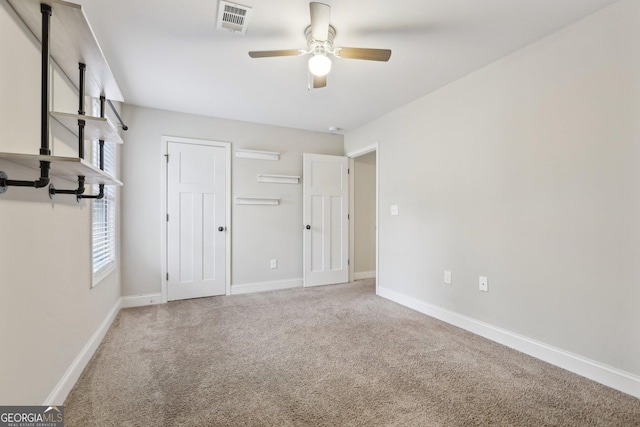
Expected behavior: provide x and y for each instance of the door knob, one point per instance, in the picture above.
(308, 227)
(220, 228)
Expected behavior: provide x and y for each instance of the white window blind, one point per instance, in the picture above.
(104, 216)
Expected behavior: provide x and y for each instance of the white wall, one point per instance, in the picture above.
(259, 233)
(527, 172)
(48, 310)
(364, 215)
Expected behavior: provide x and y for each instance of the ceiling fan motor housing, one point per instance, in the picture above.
(320, 46)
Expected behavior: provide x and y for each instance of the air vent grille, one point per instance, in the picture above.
(233, 17)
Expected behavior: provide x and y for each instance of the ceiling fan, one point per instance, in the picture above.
(320, 35)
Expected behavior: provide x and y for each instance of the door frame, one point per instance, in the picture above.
(352, 155)
(164, 207)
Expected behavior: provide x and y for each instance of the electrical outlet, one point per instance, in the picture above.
(394, 210)
(483, 284)
(447, 277)
(274, 263)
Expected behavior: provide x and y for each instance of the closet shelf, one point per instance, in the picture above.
(68, 168)
(72, 42)
(96, 128)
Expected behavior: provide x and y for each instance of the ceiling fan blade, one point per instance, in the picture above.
(320, 15)
(272, 53)
(362, 53)
(316, 82)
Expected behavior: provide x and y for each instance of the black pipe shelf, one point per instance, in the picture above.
(72, 42)
(96, 128)
(67, 39)
(68, 168)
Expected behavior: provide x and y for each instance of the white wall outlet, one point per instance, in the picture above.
(394, 209)
(274, 263)
(483, 284)
(447, 277)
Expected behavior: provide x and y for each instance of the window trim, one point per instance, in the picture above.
(103, 273)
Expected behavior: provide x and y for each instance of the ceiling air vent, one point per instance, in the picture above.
(233, 17)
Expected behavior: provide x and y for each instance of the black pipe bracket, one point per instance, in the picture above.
(3, 182)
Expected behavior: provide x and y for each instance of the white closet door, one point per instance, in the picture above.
(196, 247)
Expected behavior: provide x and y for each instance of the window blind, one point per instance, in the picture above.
(104, 214)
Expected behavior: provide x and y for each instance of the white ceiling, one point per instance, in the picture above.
(169, 55)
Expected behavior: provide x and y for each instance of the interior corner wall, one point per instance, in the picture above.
(48, 310)
(258, 233)
(525, 171)
(364, 215)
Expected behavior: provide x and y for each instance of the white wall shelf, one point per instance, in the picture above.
(257, 201)
(258, 155)
(278, 179)
(72, 42)
(68, 168)
(96, 128)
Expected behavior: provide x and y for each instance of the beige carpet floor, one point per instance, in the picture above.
(328, 356)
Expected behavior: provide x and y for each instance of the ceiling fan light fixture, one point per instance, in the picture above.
(319, 65)
(320, 35)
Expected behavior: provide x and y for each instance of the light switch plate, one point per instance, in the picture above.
(483, 284)
(394, 209)
(447, 277)
(274, 263)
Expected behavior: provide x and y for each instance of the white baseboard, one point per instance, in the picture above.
(68, 380)
(274, 285)
(611, 377)
(361, 275)
(141, 300)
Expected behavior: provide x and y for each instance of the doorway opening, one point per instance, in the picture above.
(363, 227)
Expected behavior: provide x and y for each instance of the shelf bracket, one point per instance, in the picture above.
(100, 194)
(81, 124)
(78, 192)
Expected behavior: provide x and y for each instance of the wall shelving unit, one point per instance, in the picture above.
(66, 38)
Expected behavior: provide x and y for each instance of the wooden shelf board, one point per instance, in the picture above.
(72, 42)
(95, 128)
(258, 155)
(63, 167)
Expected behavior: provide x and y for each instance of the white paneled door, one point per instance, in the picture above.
(325, 213)
(196, 227)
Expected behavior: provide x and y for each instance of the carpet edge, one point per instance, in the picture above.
(612, 377)
(60, 392)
